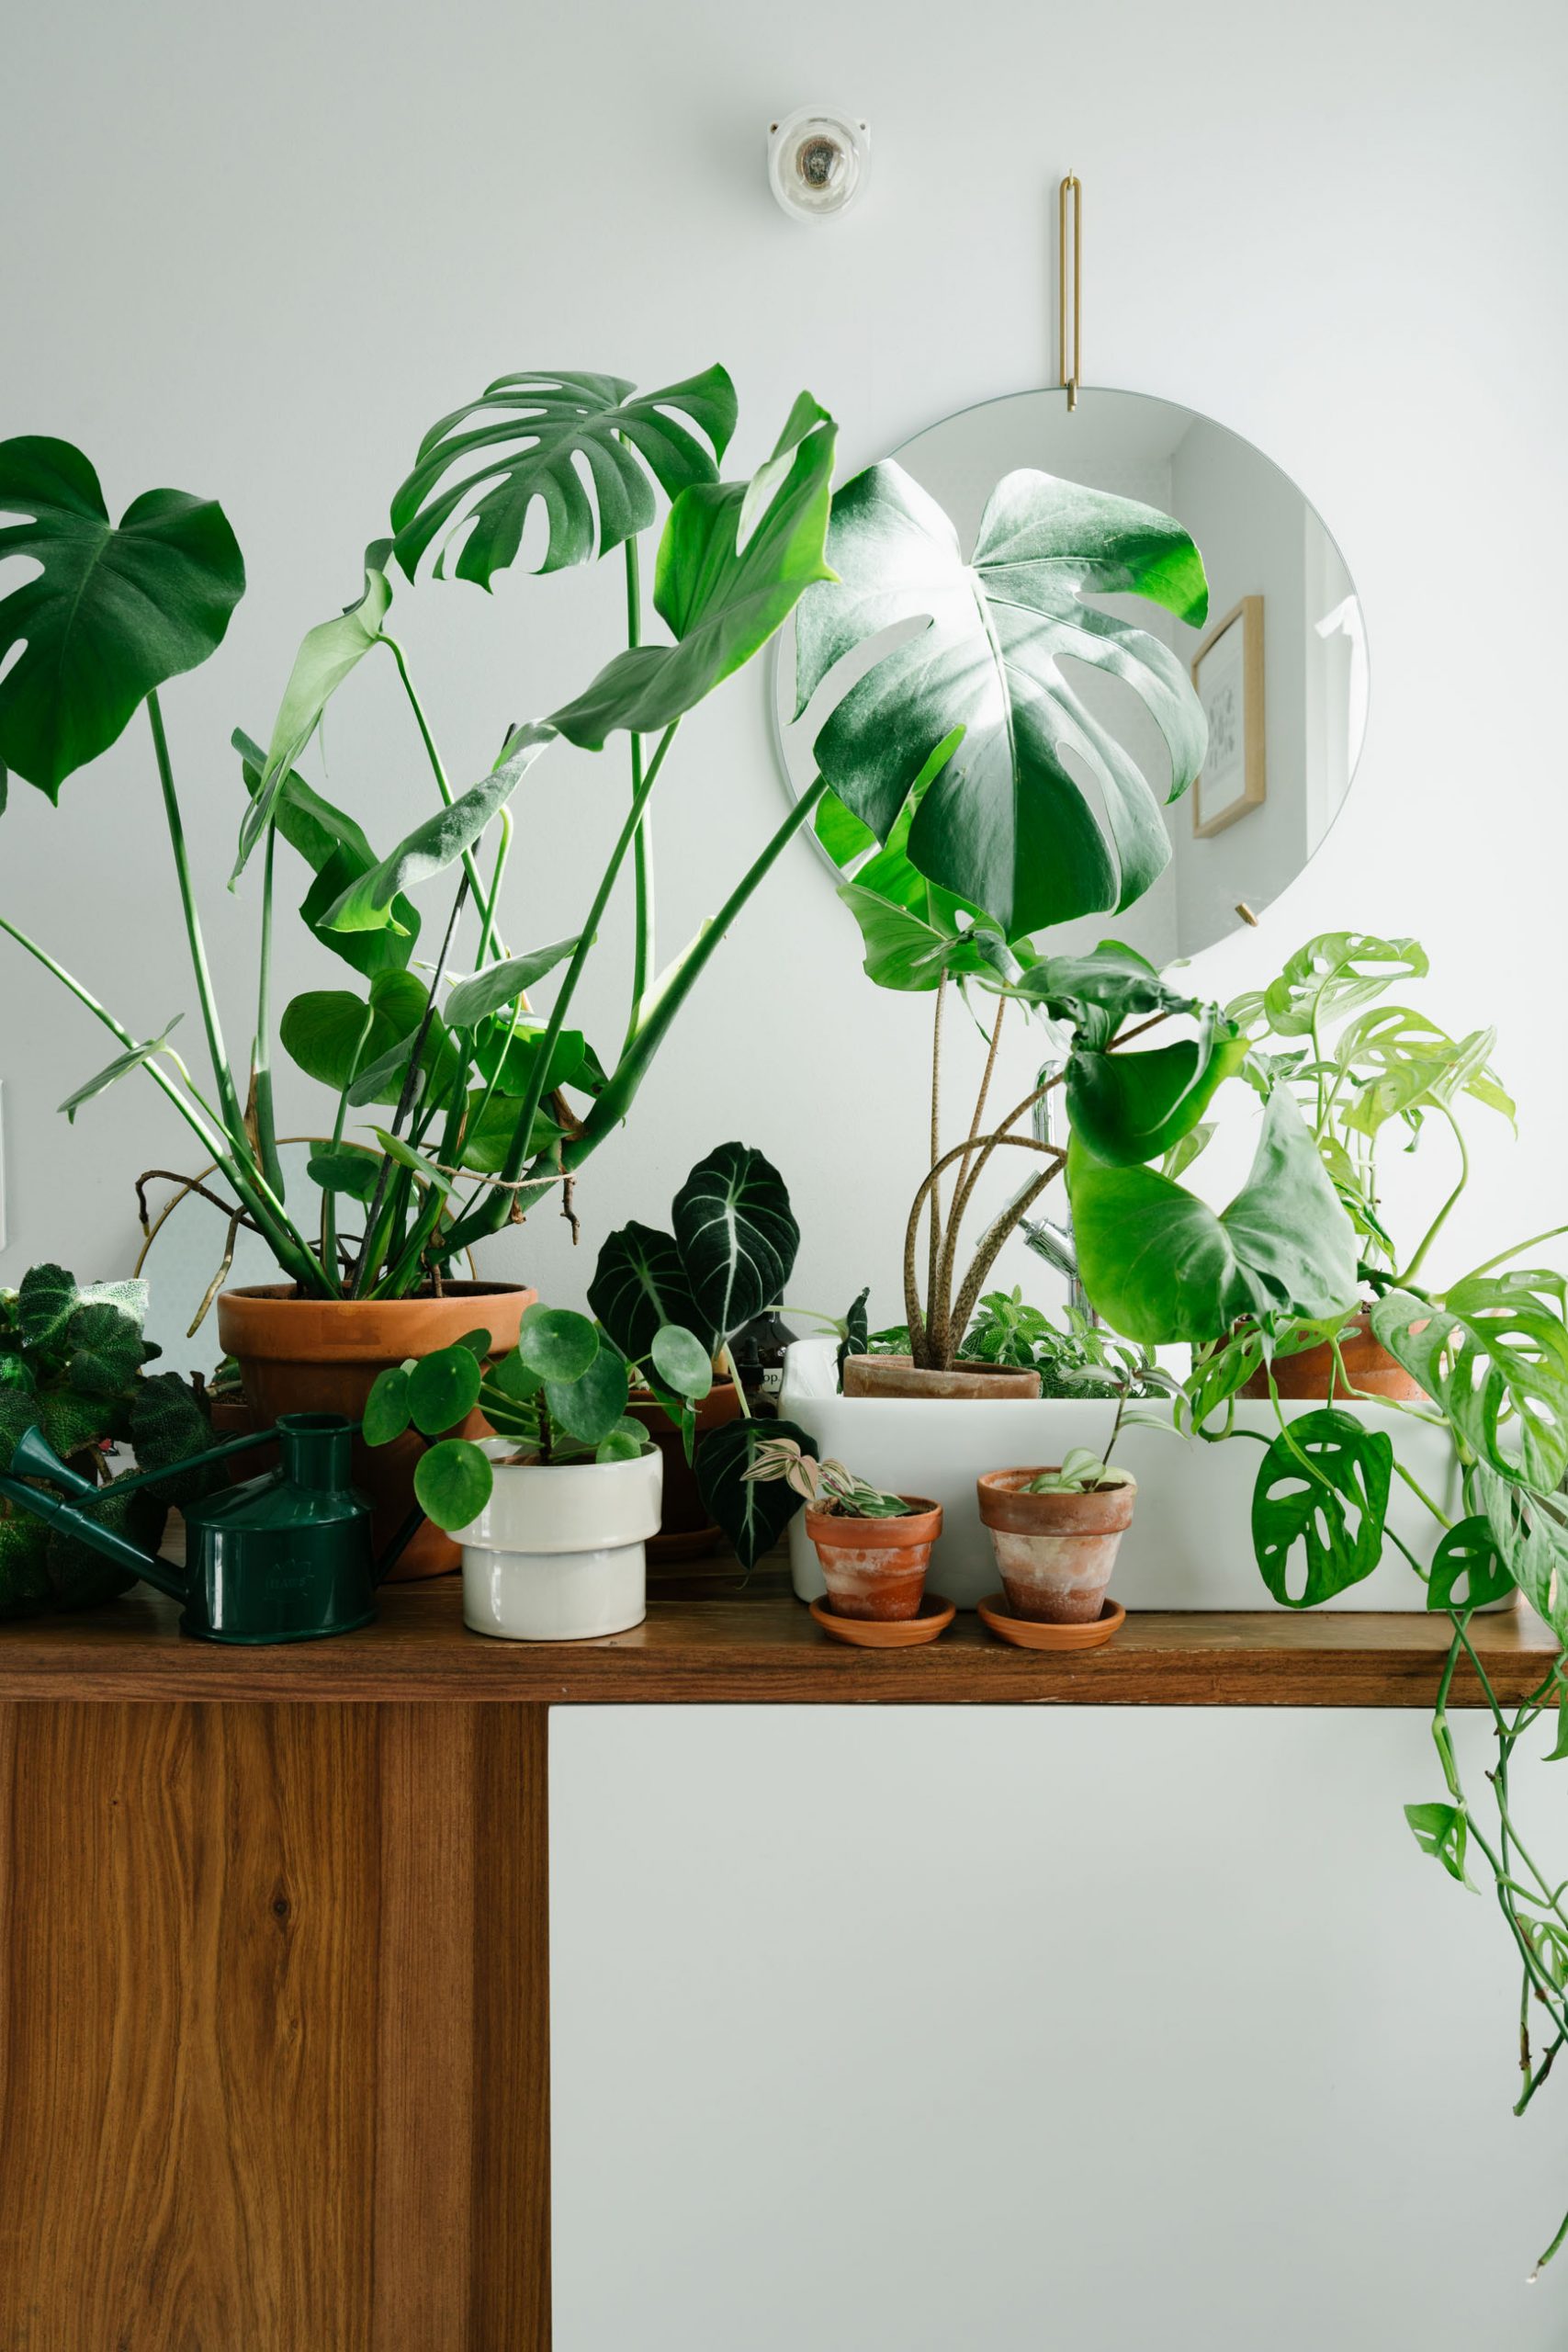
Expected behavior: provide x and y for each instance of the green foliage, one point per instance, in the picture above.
(1130, 1107)
(71, 1361)
(979, 697)
(1082, 1472)
(1492, 1352)
(1322, 1488)
(370, 902)
(1161, 1265)
(453, 1483)
(752, 1512)
(639, 1284)
(1468, 1569)
(112, 612)
(1074, 1358)
(733, 563)
(502, 984)
(736, 1237)
(117, 1070)
(530, 433)
(338, 853)
(1440, 1830)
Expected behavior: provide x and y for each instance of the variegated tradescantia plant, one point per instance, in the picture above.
(449, 1112)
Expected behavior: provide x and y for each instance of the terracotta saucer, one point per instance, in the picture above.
(889, 1632)
(1033, 1633)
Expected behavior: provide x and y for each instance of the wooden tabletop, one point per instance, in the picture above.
(707, 1642)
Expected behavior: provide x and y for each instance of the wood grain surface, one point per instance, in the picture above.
(711, 1642)
(273, 2028)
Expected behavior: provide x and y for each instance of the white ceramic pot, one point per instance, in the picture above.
(557, 1554)
(1190, 1545)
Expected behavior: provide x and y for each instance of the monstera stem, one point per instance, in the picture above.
(266, 1136)
(288, 1245)
(229, 1100)
(482, 899)
(642, 844)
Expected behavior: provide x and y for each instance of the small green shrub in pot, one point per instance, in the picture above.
(874, 1548)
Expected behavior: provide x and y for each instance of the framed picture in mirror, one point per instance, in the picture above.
(1227, 671)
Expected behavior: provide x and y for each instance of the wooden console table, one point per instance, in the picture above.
(274, 1960)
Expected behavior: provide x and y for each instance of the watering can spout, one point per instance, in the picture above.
(34, 1458)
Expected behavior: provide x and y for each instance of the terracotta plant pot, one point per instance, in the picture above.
(1312, 1374)
(901, 1376)
(875, 1567)
(1055, 1551)
(686, 1532)
(321, 1355)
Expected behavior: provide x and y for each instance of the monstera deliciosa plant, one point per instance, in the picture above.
(456, 1103)
(952, 793)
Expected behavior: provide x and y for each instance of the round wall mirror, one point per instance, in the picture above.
(1280, 664)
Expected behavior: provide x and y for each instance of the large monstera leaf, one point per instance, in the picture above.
(528, 437)
(1160, 1265)
(734, 560)
(981, 691)
(113, 612)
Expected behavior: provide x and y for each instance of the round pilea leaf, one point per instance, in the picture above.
(443, 1389)
(453, 1483)
(590, 1408)
(556, 1343)
(387, 1406)
(682, 1361)
(624, 1443)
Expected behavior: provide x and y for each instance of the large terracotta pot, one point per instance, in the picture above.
(901, 1376)
(686, 1531)
(1369, 1367)
(321, 1355)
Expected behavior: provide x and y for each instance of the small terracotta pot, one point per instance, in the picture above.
(1312, 1374)
(1055, 1551)
(875, 1567)
(321, 1355)
(686, 1531)
(901, 1376)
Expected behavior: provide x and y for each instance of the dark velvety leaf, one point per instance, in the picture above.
(25, 1589)
(639, 1284)
(1161, 1266)
(733, 562)
(112, 614)
(79, 1575)
(1006, 824)
(47, 1297)
(737, 1238)
(1333, 1510)
(168, 1424)
(104, 1346)
(753, 1513)
(529, 436)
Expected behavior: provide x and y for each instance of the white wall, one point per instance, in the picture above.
(254, 253)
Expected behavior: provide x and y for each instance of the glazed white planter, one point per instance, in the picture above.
(1190, 1545)
(558, 1555)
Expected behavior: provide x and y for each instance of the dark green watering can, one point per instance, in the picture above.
(284, 1558)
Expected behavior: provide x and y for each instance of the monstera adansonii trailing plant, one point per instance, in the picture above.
(970, 791)
(455, 1103)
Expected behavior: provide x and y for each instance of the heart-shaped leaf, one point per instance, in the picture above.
(736, 1237)
(1494, 1353)
(1130, 1107)
(1468, 1571)
(121, 1065)
(639, 1284)
(453, 1483)
(330, 653)
(753, 1513)
(344, 1167)
(325, 1031)
(733, 562)
(1322, 1486)
(1006, 824)
(1160, 1265)
(370, 902)
(534, 435)
(111, 614)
